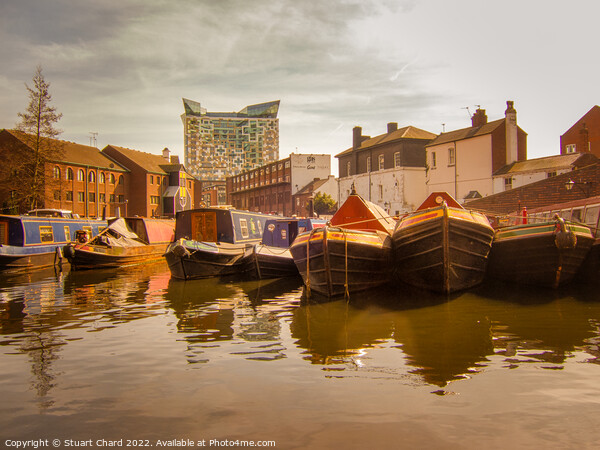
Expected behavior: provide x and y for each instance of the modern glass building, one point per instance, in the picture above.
(218, 145)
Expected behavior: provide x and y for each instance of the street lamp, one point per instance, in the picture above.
(584, 186)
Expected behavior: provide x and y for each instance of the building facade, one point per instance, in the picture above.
(462, 162)
(388, 169)
(84, 180)
(218, 145)
(584, 135)
(161, 186)
(270, 188)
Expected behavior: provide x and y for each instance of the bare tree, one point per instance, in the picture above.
(38, 132)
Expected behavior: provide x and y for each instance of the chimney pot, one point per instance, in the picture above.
(479, 118)
(356, 137)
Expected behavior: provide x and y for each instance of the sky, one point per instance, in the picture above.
(120, 68)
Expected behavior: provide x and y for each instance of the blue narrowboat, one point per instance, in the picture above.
(215, 241)
(37, 239)
(273, 256)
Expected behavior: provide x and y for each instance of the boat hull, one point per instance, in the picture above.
(97, 256)
(24, 258)
(442, 249)
(193, 259)
(274, 262)
(531, 254)
(337, 261)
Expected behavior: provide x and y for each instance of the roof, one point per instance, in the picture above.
(147, 161)
(259, 110)
(466, 133)
(76, 154)
(312, 186)
(594, 111)
(547, 163)
(408, 132)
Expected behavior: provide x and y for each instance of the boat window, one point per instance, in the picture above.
(88, 231)
(46, 234)
(565, 214)
(591, 216)
(260, 228)
(67, 234)
(576, 214)
(244, 228)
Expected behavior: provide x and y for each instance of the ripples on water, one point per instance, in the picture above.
(132, 353)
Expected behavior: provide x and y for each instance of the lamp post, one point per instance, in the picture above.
(584, 186)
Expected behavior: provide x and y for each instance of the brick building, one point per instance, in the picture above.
(270, 188)
(579, 183)
(584, 135)
(388, 169)
(83, 180)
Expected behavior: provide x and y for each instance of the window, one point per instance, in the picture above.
(348, 167)
(69, 196)
(571, 148)
(433, 160)
(102, 197)
(102, 177)
(92, 177)
(56, 173)
(508, 183)
(81, 196)
(46, 234)
(56, 195)
(381, 162)
(112, 198)
(397, 159)
(111, 178)
(368, 163)
(88, 231)
(451, 156)
(121, 199)
(551, 174)
(576, 215)
(380, 189)
(154, 200)
(80, 175)
(244, 228)
(70, 174)
(92, 197)
(151, 179)
(67, 234)
(120, 179)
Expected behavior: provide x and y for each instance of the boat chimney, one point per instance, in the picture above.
(512, 147)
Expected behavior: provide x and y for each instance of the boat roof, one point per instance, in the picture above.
(359, 214)
(436, 199)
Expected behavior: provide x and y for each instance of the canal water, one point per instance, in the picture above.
(130, 356)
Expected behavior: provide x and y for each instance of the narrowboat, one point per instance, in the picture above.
(273, 257)
(125, 241)
(351, 253)
(584, 211)
(548, 253)
(216, 241)
(37, 240)
(442, 246)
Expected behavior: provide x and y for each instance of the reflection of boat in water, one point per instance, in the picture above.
(547, 253)
(119, 245)
(212, 242)
(36, 240)
(442, 246)
(351, 253)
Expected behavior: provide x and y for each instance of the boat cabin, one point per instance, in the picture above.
(152, 231)
(220, 225)
(282, 232)
(359, 214)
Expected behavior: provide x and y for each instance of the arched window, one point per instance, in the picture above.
(80, 175)
(56, 173)
(102, 177)
(112, 178)
(70, 174)
(120, 179)
(92, 177)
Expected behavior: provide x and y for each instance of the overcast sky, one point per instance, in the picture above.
(121, 67)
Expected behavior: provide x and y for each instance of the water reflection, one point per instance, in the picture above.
(404, 334)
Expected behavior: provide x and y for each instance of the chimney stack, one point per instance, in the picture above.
(391, 127)
(512, 142)
(479, 118)
(165, 153)
(356, 137)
